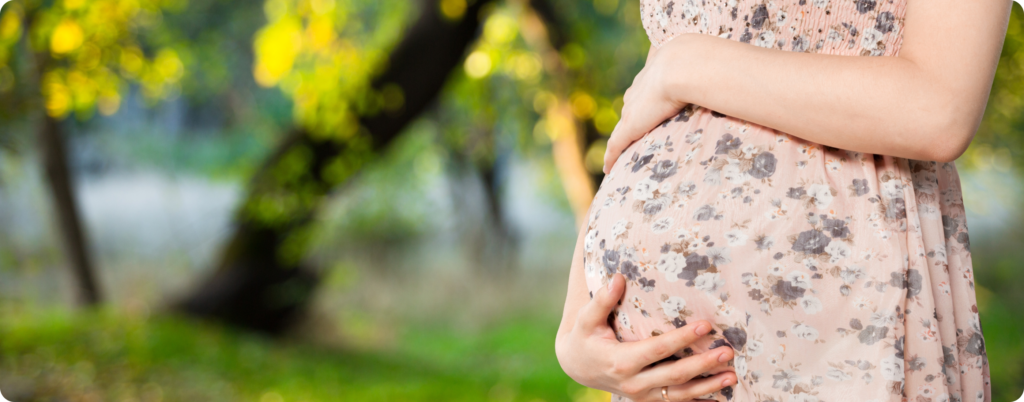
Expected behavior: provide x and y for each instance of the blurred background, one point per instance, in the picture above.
(326, 200)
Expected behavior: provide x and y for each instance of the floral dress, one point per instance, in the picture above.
(834, 275)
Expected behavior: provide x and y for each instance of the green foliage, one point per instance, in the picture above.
(501, 100)
(999, 142)
(1003, 327)
(394, 199)
(323, 54)
(87, 51)
(999, 274)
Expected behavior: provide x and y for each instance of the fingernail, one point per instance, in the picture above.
(727, 382)
(722, 358)
(610, 284)
(702, 329)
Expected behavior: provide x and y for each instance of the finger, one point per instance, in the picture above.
(654, 349)
(684, 370)
(595, 313)
(620, 138)
(721, 368)
(695, 388)
(626, 96)
(639, 76)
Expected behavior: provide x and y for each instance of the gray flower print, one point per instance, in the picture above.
(727, 143)
(630, 270)
(897, 209)
(763, 166)
(860, 187)
(948, 359)
(611, 261)
(884, 21)
(662, 170)
(865, 5)
(764, 242)
(811, 242)
(785, 380)
(641, 161)
(694, 264)
(975, 345)
(647, 284)
(917, 364)
(949, 226)
(737, 337)
(759, 16)
(836, 228)
(914, 284)
(872, 334)
(787, 291)
(962, 238)
(704, 213)
(897, 279)
(689, 188)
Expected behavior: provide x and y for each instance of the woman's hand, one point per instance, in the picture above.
(590, 354)
(656, 94)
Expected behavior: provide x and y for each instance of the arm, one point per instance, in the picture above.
(590, 354)
(577, 295)
(925, 103)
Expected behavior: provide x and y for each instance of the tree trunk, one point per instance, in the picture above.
(260, 282)
(55, 163)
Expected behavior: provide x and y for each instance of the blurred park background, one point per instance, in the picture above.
(342, 200)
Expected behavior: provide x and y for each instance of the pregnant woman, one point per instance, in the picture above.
(781, 208)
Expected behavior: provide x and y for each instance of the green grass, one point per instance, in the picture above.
(56, 355)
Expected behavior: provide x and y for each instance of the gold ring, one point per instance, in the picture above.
(664, 393)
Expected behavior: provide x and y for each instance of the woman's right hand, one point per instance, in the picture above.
(590, 354)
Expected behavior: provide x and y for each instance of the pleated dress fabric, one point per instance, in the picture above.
(835, 275)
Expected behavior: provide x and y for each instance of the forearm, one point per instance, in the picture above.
(577, 294)
(880, 105)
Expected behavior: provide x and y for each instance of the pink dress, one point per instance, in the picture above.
(835, 275)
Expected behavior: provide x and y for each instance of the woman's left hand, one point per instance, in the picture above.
(657, 94)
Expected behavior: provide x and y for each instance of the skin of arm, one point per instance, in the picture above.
(924, 103)
(577, 295)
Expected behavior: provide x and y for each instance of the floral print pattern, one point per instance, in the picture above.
(834, 275)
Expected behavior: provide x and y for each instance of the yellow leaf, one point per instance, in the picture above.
(478, 64)
(320, 32)
(321, 7)
(605, 120)
(57, 94)
(526, 66)
(132, 60)
(276, 47)
(89, 57)
(10, 26)
(109, 104)
(500, 29)
(453, 9)
(169, 65)
(73, 4)
(594, 158)
(583, 105)
(67, 37)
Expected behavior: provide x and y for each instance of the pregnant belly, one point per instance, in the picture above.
(761, 233)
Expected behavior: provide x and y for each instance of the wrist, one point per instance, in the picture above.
(685, 60)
